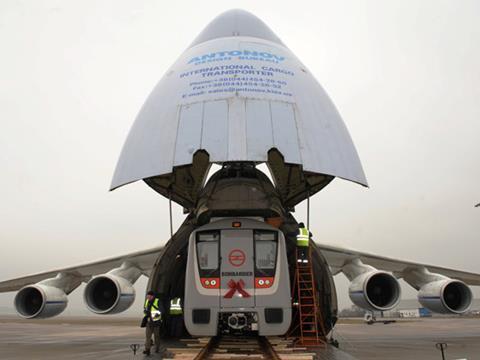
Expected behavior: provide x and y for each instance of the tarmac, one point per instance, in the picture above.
(411, 339)
(110, 338)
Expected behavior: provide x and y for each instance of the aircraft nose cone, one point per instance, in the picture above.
(236, 22)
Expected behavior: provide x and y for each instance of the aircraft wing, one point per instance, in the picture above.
(143, 260)
(338, 257)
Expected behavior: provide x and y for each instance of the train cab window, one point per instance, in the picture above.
(266, 244)
(208, 252)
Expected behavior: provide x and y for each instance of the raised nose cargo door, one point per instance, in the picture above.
(236, 249)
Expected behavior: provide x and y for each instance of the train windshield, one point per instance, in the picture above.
(265, 252)
(207, 251)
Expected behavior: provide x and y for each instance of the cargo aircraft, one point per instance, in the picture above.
(238, 97)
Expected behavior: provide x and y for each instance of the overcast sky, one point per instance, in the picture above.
(73, 75)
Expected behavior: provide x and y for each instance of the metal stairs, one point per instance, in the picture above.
(308, 317)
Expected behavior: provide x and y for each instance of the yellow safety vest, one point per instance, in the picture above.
(154, 311)
(175, 308)
(303, 237)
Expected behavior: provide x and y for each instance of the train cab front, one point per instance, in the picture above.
(237, 279)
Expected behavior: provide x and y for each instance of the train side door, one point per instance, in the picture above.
(237, 280)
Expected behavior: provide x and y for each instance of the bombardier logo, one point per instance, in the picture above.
(237, 273)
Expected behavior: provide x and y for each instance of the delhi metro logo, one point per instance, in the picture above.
(236, 257)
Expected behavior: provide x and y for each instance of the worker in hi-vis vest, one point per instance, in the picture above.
(176, 317)
(303, 239)
(152, 320)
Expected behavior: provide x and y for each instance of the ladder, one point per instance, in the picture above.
(310, 320)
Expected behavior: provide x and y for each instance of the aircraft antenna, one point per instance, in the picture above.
(308, 210)
(170, 213)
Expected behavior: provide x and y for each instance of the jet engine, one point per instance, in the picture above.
(109, 294)
(40, 301)
(439, 293)
(375, 290)
(370, 288)
(446, 296)
(47, 298)
(113, 292)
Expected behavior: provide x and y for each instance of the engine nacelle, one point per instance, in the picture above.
(40, 301)
(109, 294)
(375, 290)
(446, 296)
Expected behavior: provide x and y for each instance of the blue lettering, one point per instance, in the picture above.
(242, 54)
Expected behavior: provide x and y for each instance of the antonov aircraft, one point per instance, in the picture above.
(238, 97)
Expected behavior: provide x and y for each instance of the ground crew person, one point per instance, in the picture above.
(152, 320)
(303, 238)
(176, 317)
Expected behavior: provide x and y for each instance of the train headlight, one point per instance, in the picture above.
(210, 283)
(263, 282)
